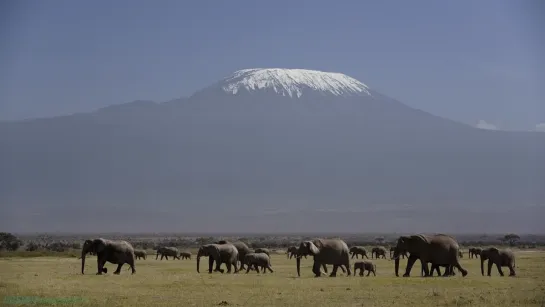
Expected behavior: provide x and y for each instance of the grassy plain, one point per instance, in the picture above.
(176, 283)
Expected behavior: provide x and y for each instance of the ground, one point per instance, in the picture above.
(176, 283)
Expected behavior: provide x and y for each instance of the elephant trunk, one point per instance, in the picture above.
(298, 265)
(83, 253)
(199, 255)
(396, 264)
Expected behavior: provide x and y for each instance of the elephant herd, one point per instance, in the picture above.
(439, 250)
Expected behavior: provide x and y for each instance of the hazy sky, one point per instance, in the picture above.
(466, 60)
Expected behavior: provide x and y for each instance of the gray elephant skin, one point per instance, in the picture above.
(242, 249)
(392, 249)
(166, 251)
(378, 251)
(325, 251)
(358, 250)
(185, 255)
(263, 250)
(436, 249)
(499, 257)
(220, 253)
(293, 251)
(140, 254)
(474, 252)
(116, 252)
(363, 266)
(258, 260)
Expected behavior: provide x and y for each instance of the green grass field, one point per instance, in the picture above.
(176, 283)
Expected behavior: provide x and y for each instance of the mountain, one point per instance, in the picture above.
(269, 150)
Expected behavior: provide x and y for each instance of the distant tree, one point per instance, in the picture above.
(32, 246)
(9, 242)
(379, 240)
(511, 238)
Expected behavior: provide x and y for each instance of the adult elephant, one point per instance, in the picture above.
(220, 253)
(325, 251)
(262, 250)
(501, 258)
(166, 251)
(358, 250)
(242, 249)
(378, 251)
(116, 252)
(437, 249)
(139, 253)
(474, 252)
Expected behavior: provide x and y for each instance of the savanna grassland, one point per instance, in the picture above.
(176, 283)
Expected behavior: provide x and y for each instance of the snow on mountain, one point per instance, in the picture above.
(293, 82)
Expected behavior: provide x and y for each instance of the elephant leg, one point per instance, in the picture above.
(368, 272)
(512, 270)
(353, 256)
(316, 269)
(365, 256)
(130, 262)
(269, 268)
(410, 263)
(334, 271)
(118, 270)
(425, 267)
(100, 265)
(342, 268)
(325, 268)
(228, 267)
(499, 269)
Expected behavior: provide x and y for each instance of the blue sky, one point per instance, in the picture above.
(466, 60)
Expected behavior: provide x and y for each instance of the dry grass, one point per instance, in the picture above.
(176, 283)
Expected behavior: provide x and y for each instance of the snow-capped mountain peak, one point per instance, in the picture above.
(293, 82)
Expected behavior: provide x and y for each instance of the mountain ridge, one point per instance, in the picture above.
(215, 160)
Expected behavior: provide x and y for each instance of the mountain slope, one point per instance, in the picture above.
(223, 157)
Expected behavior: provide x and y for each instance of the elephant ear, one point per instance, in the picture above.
(99, 245)
(318, 243)
(313, 249)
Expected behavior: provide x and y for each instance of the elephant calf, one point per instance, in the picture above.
(257, 260)
(185, 255)
(138, 253)
(263, 250)
(365, 265)
(499, 257)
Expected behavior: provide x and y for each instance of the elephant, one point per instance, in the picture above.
(116, 252)
(263, 250)
(392, 249)
(358, 250)
(166, 251)
(293, 251)
(220, 253)
(461, 254)
(139, 253)
(365, 265)
(474, 252)
(241, 247)
(185, 255)
(257, 260)
(499, 257)
(437, 249)
(325, 251)
(436, 267)
(378, 251)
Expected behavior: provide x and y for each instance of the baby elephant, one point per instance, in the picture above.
(365, 265)
(257, 260)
